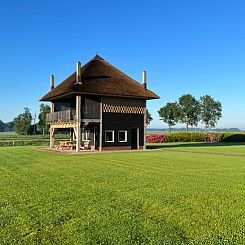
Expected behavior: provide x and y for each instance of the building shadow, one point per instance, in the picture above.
(187, 145)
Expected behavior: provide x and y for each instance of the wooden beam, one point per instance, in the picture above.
(52, 107)
(144, 146)
(75, 132)
(51, 132)
(78, 114)
(100, 131)
(90, 120)
(64, 124)
(138, 138)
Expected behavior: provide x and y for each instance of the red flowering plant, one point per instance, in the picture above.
(211, 137)
(155, 138)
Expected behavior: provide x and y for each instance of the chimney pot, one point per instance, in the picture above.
(78, 77)
(144, 81)
(51, 82)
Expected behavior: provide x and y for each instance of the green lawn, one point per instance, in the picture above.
(175, 195)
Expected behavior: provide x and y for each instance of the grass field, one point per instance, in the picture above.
(179, 194)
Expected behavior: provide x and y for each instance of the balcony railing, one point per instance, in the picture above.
(61, 116)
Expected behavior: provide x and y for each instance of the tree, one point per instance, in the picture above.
(210, 111)
(44, 109)
(148, 117)
(2, 126)
(169, 114)
(22, 123)
(9, 126)
(189, 110)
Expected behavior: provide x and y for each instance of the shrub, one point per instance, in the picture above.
(232, 137)
(185, 137)
(182, 137)
(155, 138)
(195, 137)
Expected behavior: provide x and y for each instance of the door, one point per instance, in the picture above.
(97, 137)
(134, 138)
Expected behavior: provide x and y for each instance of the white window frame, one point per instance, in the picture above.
(113, 138)
(126, 135)
(86, 133)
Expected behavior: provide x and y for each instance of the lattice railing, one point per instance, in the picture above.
(123, 105)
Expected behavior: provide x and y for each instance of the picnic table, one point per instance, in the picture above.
(66, 144)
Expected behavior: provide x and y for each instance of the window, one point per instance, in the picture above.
(109, 136)
(86, 135)
(122, 136)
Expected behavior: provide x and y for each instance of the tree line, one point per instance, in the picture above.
(190, 111)
(23, 122)
(6, 127)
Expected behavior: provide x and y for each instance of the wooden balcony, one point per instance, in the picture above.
(61, 116)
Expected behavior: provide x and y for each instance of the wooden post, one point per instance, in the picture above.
(52, 107)
(78, 129)
(144, 146)
(100, 131)
(51, 130)
(138, 138)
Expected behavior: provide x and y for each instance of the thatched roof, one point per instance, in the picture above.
(100, 78)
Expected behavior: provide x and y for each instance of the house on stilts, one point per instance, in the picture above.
(103, 108)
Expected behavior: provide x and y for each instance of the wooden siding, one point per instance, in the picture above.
(90, 107)
(122, 121)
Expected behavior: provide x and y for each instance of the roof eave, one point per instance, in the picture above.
(100, 94)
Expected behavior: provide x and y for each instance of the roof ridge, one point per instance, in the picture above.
(97, 57)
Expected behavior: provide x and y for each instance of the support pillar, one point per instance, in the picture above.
(51, 130)
(78, 128)
(144, 146)
(100, 130)
(138, 138)
(52, 107)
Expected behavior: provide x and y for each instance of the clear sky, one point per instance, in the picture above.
(189, 46)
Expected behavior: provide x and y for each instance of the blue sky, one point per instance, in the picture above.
(187, 46)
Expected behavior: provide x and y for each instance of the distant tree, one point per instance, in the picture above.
(2, 126)
(148, 117)
(169, 114)
(44, 109)
(210, 111)
(9, 126)
(22, 123)
(189, 110)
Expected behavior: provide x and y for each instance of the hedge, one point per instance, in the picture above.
(232, 137)
(195, 137)
(37, 142)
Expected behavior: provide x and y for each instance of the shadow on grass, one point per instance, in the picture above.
(196, 144)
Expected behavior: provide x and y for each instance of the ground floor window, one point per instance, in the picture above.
(109, 136)
(86, 135)
(122, 136)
